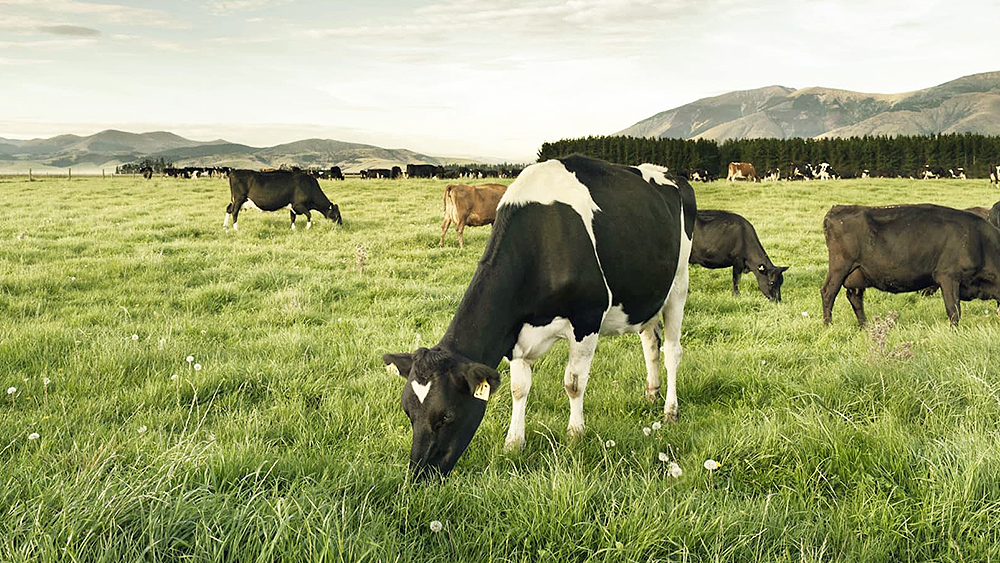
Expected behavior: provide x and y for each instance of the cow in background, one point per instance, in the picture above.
(269, 191)
(723, 239)
(741, 171)
(472, 206)
(995, 175)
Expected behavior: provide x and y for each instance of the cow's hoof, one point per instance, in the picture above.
(513, 445)
(574, 432)
(670, 414)
(653, 395)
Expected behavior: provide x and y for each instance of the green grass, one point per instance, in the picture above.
(289, 443)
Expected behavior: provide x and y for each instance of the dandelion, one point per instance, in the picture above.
(609, 444)
(657, 426)
(11, 390)
(197, 367)
(674, 470)
(663, 457)
(646, 430)
(142, 429)
(72, 278)
(173, 377)
(763, 362)
(135, 337)
(46, 381)
(190, 359)
(204, 331)
(711, 464)
(33, 436)
(805, 313)
(436, 526)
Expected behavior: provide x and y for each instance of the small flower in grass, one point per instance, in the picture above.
(805, 313)
(711, 464)
(135, 337)
(33, 436)
(190, 359)
(657, 426)
(173, 377)
(142, 429)
(610, 444)
(11, 390)
(436, 526)
(662, 456)
(647, 431)
(674, 470)
(197, 367)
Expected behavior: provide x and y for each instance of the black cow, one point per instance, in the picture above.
(580, 247)
(147, 172)
(423, 170)
(269, 191)
(723, 239)
(905, 248)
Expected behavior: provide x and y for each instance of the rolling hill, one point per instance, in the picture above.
(108, 149)
(967, 104)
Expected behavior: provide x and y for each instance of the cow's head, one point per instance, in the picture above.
(445, 397)
(770, 278)
(333, 213)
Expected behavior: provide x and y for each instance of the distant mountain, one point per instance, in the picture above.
(968, 104)
(107, 149)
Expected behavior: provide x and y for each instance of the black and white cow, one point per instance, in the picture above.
(995, 175)
(269, 191)
(957, 173)
(580, 248)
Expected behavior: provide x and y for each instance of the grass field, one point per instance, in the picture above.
(282, 438)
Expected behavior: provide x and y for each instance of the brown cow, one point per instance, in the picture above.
(474, 206)
(741, 171)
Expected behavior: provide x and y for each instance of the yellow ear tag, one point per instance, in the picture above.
(391, 368)
(482, 391)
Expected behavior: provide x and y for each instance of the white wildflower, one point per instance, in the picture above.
(805, 313)
(609, 444)
(33, 436)
(663, 457)
(674, 470)
(190, 359)
(135, 337)
(46, 381)
(11, 390)
(711, 464)
(646, 430)
(142, 429)
(657, 426)
(436, 526)
(173, 377)
(197, 367)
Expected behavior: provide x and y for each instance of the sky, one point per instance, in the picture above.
(487, 78)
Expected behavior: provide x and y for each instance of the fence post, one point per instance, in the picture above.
(29, 175)
(70, 173)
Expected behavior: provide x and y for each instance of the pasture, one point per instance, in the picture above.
(282, 437)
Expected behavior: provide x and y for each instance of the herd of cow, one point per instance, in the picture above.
(582, 248)
(824, 171)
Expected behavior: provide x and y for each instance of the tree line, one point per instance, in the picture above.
(883, 155)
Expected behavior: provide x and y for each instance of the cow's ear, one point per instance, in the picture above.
(482, 380)
(399, 364)
(782, 268)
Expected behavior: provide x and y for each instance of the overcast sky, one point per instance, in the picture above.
(452, 77)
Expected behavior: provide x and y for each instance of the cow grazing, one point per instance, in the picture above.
(270, 191)
(771, 175)
(741, 171)
(905, 248)
(423, 170)
(472, 206)
(580, 248)
(147, 172)
(723, 239)
(995, 175)
(957, 173)
(931, 172)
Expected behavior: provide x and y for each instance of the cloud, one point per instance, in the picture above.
(229, 7)
(106, 13)
(71, 30)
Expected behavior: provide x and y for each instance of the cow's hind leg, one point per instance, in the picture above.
(581, 354)
(444, 229)
(835, 277)
(737, 272)
(229, 215)
(673, 314)
(520, 384)
(292, 213)
(236, 206)
(652, 338)
(952, 303)
(460, 229)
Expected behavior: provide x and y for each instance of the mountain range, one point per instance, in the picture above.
(107, 149)
(967, 104)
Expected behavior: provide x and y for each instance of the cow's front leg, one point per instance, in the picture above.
(652, 339)
(520, 384)
(737, 272)
(292, 213)
(581, 353)
(673, 315)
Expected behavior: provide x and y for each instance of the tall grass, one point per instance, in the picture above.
(288, 443)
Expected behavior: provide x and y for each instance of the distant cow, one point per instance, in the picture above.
(423, 170)
(270, 191)
(723, 239)
(771, 175)
(700, 175)
(147, 172)
(336, 173)
(995, 175)
(472, 206)
(904, 248)
(372, 173)
(801, 171)
(931, 172)
(741, 171)
(957, 173)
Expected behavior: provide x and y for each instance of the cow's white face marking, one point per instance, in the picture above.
(420, 390)
(549, 182)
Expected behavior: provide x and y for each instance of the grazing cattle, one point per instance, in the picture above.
(741, 171)
(905, 248)
(931, 172)
(472, 206)
(335, 173)
(957, 173)
(270, 191)
(800, 172)
(825, 172)
(147, 172)
(423, 170)
(995, 175)
(772, 175)
(580, 248)
(701, 175)
(723, 239)
(373, 173)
